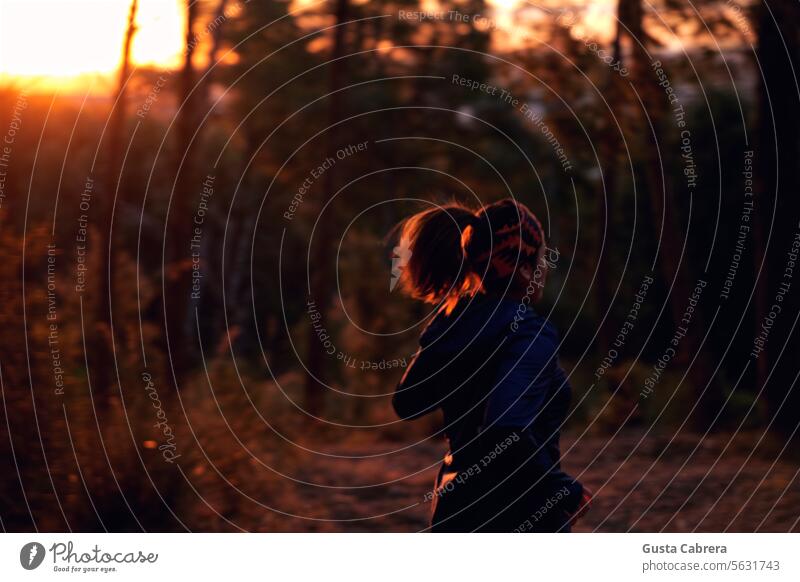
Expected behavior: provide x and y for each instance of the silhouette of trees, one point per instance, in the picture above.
(778, 139)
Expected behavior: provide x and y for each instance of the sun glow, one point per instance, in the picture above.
(60, 42)
(68, 44)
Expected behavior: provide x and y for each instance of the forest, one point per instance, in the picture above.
(200, 325)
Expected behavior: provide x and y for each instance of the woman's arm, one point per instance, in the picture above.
(419, 392)
(523, 389)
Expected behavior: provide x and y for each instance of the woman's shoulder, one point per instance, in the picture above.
(529, 326)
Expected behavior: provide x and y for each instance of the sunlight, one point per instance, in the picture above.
(72, 40)
(75, 43)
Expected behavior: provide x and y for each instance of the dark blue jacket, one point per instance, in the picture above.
(492, 367)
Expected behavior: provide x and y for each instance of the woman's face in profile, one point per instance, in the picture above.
(531, 279)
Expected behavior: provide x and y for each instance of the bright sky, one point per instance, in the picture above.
(61, 42)
(60, 39)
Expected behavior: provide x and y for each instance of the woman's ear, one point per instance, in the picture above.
(540, 278)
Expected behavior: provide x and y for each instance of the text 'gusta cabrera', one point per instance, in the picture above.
(683, 549)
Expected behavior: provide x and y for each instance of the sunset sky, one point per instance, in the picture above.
(67, 42)
(61, 39)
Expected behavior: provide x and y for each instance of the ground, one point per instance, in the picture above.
(642, 483)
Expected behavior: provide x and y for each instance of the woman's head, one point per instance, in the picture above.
(437, 267)
(456, 251)
(504, 245)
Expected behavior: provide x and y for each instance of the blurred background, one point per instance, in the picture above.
(200, 329)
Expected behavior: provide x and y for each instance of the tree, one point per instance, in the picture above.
(101, 354)
(321, 268)
(176, 298)
(609, 147)
(216, 27)
(662, 193)
(778, 139)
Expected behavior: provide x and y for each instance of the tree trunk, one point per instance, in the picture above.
(662, 204)
(609, 146)
(179, 220)
(101, 354)
(216, 25)
(321, 283)
(778, 142)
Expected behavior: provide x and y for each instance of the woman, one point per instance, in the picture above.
(490, 363)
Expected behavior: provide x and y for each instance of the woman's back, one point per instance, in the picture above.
(455, 367)
(491, 366)
(490, 363)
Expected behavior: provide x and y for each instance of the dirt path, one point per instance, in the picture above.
(682, 491)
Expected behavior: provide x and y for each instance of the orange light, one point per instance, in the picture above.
(61, 40)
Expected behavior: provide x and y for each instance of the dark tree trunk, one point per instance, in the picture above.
(321, 267)
(663, 203)
(608, 148)
(217, 25)
(101, 355)
(778, 189)
(179, 220)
